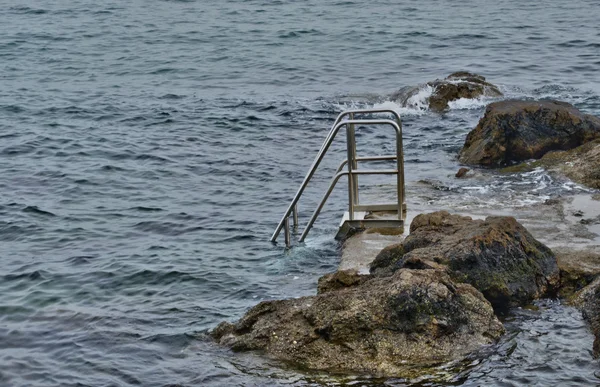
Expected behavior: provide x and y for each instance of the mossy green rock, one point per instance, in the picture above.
(383, 326)
(498, 256)
(512, 131)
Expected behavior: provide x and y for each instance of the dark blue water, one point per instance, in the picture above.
(148, 149)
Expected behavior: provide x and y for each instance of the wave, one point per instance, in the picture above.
(420, 100)
(469, 103)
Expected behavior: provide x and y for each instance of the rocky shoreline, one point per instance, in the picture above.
(441, 293)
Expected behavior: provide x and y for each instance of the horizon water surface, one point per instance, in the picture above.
(148, 149)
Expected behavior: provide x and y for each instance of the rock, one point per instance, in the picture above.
(456, 86)
(387, 258)
(340, 279)
(498, 256)
(384, 326)
(590, 306)
(459, 85)
(462, 172)
(581, 164)
(512, 131)
(578, 268)
(552, 202)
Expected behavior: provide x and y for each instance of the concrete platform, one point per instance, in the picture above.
(361, 249)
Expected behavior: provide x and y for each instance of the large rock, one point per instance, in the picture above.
(497, 256)
(456, 86)
(380, 326)
(512, 131)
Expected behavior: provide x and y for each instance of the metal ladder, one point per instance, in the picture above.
(358, 214)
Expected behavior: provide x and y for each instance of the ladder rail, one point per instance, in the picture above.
(353, 186)
(332, 185)
(369, 158)
(324, 148)
(292, 208)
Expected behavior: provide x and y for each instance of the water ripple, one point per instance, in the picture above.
(146, 154)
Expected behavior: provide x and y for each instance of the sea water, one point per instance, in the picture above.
(149, 148)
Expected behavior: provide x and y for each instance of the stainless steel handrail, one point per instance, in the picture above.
(370, 158)
(351, 145)
(332, 185)
(293, 205)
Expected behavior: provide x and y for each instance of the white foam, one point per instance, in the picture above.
(402, 110)
(419, 101)
(481, 189)
(467, 104)
(552, 92)
(391, 105)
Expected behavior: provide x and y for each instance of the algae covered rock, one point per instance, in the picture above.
(340, 279)
(383, 326)
(458, 85)
(512, 131)
(498, 256)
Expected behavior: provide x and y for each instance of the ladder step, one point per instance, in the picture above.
(361, 221)
(378, 207)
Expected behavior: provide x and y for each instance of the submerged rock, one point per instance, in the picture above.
(462, 173)
(379, 326)
(497, 256)
(512, 131)
(456, 86)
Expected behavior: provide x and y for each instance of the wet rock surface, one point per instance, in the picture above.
(456, 86)
(427, 300)
(581, 164)
(383, 326)
(462, 173)
(590, 306)
(340, 279)
(498, 256)
(513, 131)
(577, 269)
